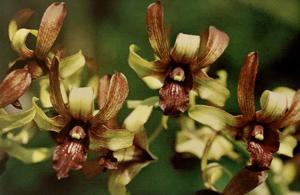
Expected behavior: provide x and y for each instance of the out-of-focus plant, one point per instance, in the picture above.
(79, 127)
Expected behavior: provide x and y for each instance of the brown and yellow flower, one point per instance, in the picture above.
(178, 70)
(77, 127)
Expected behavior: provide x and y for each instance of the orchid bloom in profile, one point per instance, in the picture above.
(32, 64)
(259, 129)
(77, 127)
(178, 70)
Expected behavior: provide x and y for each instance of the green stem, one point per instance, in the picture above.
(156, 131)
(273, 188)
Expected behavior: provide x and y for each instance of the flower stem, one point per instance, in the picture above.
(273, 188)
(156, 131)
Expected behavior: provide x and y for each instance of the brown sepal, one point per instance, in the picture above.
(14, 86)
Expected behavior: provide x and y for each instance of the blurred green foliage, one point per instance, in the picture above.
(104, 30)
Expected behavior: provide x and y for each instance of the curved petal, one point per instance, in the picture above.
(81, 103)
(245, 181)
(25, 134)
(292, 116)
(14, 86)
(212, 45)
(19, 19)
(136, 120)
(156, 30)
(115, 97)
(142, 67)
(50, 26)
(273, 106)
(246, 86)
(287, 145)
(71, 64)
(15, 120)
(55, 91)
(213, 90)
(186, 48)
(213, 117)
(26, 155)
(44, 122)
(112, 139)
(19, 42)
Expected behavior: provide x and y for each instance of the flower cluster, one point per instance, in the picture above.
(88, 136)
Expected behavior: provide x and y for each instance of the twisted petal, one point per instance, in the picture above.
(245, 181)
(213, 117)
(246, 86)
(273, 106)
(112, 139)
(71, 64)
(14, 86)
(152, 73)
(135, 121)
(19, 19)
(50, 26)
(156, 30)
(292, 116)
(19, 42)
(81, 103)
(67, 156)
(44, 122)
(287, 145)
(55, 91)
(115, 95)
(186, 48)
(26, 155)
(212, 45)
(213, 90)
(15, 120)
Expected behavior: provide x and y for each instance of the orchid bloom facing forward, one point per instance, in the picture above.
(78, 129)
(180, 69)
(259, 129)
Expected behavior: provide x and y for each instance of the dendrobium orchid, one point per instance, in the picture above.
(180, 69)
(259, 129)
(78, 129)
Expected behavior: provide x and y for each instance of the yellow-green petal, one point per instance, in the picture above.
(24, 135)
(286, 91)
(81, 103)
(212, 90)
(273, 106)
(213, 117)
(112, 139)
(19, 42)
(71, 64)
(141, 66)
(139, 116)
(43, 121)
(15, 120)
(287, 145)
(154, 81)
(26, 155)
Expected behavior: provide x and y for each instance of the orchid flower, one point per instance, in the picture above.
(77, 127)
(33, 64)
(259, 129)
(177, 71)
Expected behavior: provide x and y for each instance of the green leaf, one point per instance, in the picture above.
(15, 120)
(25, 134)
